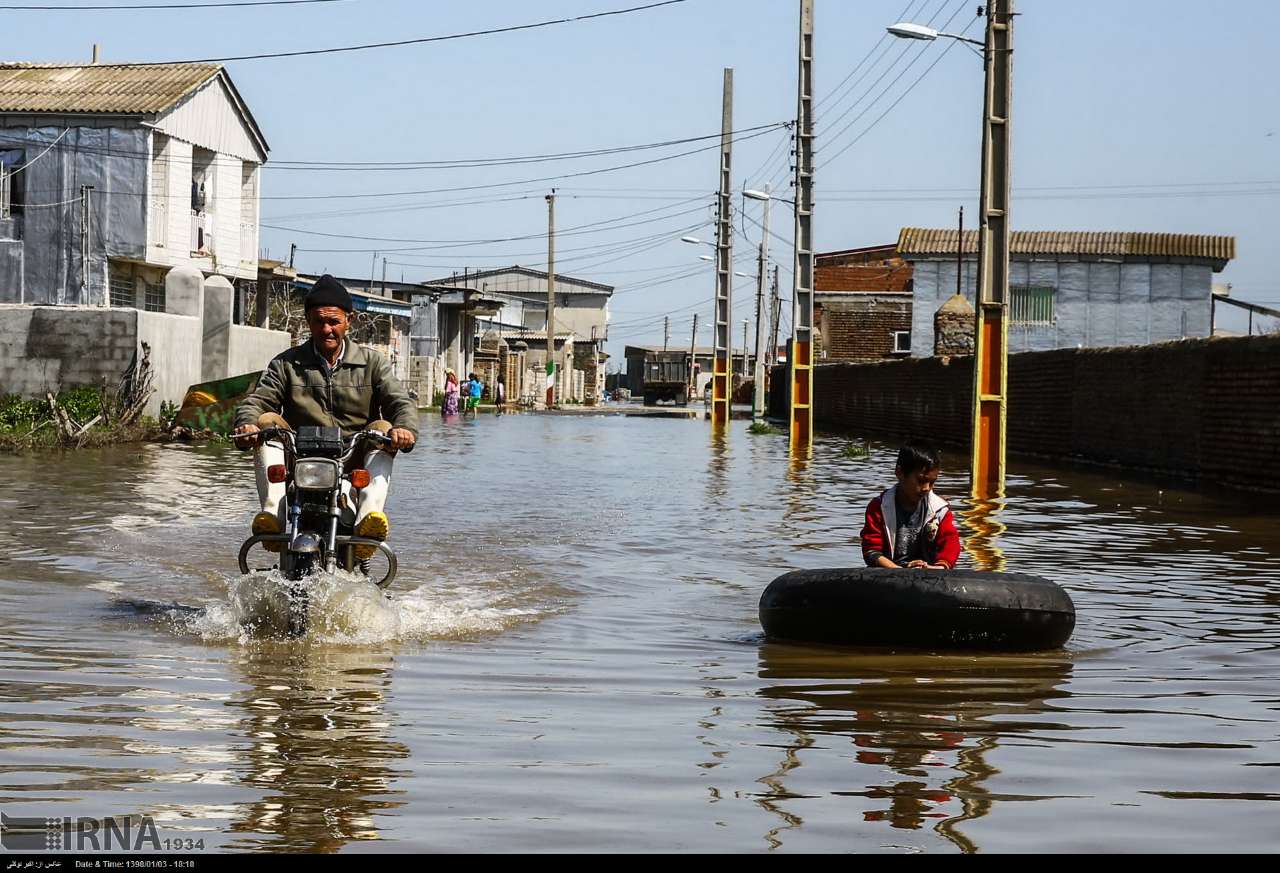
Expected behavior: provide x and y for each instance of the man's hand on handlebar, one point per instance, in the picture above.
(245, 435)
(401, 439)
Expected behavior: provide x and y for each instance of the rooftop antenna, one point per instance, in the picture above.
(95, 52)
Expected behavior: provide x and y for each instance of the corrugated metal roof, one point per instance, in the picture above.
(94, 88)
(926, 241)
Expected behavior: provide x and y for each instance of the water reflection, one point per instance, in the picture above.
(925, 726)
(321, 750)
(983, 530)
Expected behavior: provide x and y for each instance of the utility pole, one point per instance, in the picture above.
(775, 316)
(745, 324)
(960, 253)
(800, 360)
(991, 327)
(666, 331)
(86, 248)
(762, 266)
(293, 250)
(721, 390)
(693, 358)
(384, 277)
(551, 299)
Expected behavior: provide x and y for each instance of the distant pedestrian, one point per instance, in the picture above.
(476, 389)
(451, 394)
(500, 395)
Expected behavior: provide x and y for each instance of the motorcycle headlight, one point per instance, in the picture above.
(315, 474)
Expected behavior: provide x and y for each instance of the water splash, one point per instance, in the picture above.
(344, 608)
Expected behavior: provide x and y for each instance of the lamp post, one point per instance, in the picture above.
(991, 330)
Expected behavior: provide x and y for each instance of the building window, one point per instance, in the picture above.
(11, 198)
(120, 288)
(154, 299)
(1031, 304)
(902, 342)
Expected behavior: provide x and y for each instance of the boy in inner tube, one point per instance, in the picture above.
(909, 525)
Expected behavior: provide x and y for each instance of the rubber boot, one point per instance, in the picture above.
(371, 521)
(270, 494)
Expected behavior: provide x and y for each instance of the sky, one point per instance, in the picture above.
(1146, 115)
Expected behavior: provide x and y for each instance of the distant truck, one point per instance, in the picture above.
(666, 378)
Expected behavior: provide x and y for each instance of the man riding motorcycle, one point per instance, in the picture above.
(328, 382)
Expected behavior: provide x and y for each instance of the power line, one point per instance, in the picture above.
(891, 106)
(114, 7)
(569, 231)
(904, 15)
(391, 44)
(836, 136)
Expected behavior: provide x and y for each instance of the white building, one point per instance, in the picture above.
(128, 214)
(172, 155)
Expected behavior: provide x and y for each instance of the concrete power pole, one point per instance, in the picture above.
(991, 346)
(775, 316)
(693, 358)
(666, 331)
(745, 349)
(800, 360)
(551, 299)
(762, 267)
(722, 368)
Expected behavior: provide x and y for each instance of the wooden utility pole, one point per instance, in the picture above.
(801, 357)
(991, 327)
(551, 299)
(722, 365)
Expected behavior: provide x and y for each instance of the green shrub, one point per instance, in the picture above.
(856, 451)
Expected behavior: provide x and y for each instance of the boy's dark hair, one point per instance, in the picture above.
(915, 457)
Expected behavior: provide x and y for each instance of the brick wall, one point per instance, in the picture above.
(861, 329)
(1205, 409)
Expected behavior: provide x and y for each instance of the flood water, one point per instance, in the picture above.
(572, 659)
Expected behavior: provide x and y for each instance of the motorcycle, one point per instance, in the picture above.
(321, 511)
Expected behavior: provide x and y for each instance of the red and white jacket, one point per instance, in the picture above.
(939, 533)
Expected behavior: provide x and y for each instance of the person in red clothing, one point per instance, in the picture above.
(910, 525)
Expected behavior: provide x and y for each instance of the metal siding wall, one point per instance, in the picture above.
(209, 119)
(1071, 305)
(924, 303)
(1104, 296)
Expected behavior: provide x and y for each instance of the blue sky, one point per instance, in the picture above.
(1180, 100)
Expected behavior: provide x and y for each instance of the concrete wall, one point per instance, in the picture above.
(228, 349)
(49, 349)
(1203, 409)
(1097, 303)
(175, 354)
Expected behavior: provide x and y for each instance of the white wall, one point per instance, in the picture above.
(175, 354)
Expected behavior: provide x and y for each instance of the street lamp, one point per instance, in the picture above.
(907, 30)
(991, 325)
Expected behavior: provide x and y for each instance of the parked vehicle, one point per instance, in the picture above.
(666, 378)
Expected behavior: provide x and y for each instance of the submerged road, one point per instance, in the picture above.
(572, 659)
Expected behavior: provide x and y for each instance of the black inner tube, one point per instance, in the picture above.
(932, 609)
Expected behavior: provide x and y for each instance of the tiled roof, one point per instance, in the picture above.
(925, 241)
(94, 88)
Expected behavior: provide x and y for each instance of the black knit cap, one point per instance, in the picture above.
(328, 291)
